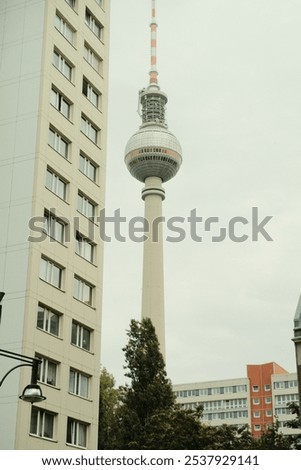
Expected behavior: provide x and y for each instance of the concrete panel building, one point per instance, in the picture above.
(256, 400)
(53, 126)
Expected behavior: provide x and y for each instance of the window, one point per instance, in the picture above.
(93, 58)
(284, 399)
(54, 227)
(83, 291)
(56, 184)
(268, 400)
(60, 103)
(71, 3)
(62, 64)
(48, 320)
(42, 423)
(269, 413)
(256, 401)
(64, 28)
(84, 247)
(257, 427)
(51, 272)
(90, 92)
(76, 433)
(267, 387)
(47, 371)
(95, 26)
(78, 383)
(85, 206)
(87, 167)
(89, 129)
(255, 388)
(256, 414)
(80, 336)
(58, 142)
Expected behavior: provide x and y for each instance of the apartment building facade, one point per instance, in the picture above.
(53, 116)
(256, 400)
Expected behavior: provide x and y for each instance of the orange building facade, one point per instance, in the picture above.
(261, 394)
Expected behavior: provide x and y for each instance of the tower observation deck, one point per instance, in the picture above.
(153, 155)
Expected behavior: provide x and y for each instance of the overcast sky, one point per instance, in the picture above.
(232, 73)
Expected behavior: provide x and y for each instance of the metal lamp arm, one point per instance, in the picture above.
(16, 367)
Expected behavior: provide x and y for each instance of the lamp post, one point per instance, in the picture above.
(32, 392)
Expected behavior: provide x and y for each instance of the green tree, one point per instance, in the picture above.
(295, 423)
(273, 439)
(108, 405)
(149, 417)
(227, 437)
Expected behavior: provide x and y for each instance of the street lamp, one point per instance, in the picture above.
(32, 392)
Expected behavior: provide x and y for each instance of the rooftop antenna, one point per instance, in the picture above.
(153, 74)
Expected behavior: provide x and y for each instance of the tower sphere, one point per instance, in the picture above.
(153, 151)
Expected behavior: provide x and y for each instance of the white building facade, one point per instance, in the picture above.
(53, 126)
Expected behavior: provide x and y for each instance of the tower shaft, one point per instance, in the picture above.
(297, 341)
(153, 272)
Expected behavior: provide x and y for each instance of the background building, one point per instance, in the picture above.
(53, 94)
(256, 400)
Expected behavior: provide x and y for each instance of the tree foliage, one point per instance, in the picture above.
(108, 405)
(295, 423)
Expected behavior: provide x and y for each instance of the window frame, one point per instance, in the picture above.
(56, 181)
(64, 27)
(58, 140)
(50, 273)
(83, 205)
(83, 244)
(45, 314)
(85, 165)
(77, 385)
(47, 369)
(80, 289)
(40, 415)
(87, 127)
(94, 24)
(58, 100)
(93, 59)
(61, 63)
(54, 227)
(89, 91)
(78, 331)
(71, 3)
(73, 432)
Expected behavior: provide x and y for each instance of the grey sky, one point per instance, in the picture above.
(231, 70)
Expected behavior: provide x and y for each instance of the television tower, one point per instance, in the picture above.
(153, 156)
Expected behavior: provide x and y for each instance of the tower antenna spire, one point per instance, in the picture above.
(153, 26)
